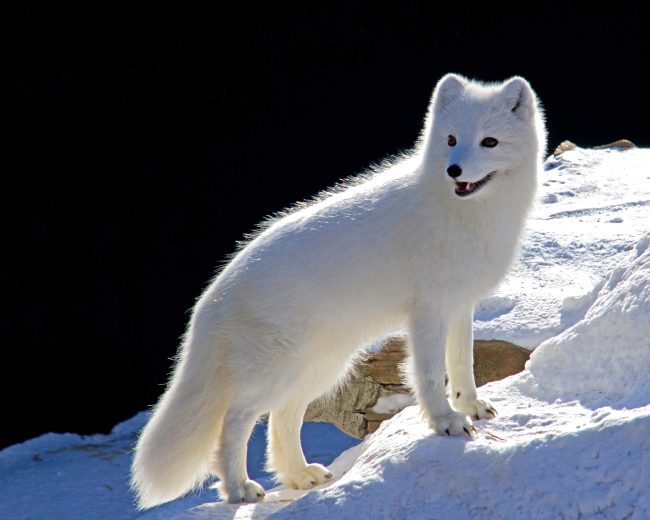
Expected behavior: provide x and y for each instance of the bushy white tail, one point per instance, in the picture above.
(173, 452)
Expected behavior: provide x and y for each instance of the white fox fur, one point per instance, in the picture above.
(406, 246)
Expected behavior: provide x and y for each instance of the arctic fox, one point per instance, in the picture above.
(414, 245)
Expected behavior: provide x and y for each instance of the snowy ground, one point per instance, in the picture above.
(70, 477)
(594, 205)
(572, 439)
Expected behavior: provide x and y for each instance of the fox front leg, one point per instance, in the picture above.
(427, 344)
(460, 369)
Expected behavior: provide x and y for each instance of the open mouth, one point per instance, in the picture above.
(463, 189)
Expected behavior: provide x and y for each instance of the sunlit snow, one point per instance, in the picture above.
(572, 439)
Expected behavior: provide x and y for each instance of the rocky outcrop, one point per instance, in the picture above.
(620, 144)
(376, 391)
(495, 360)
(351, 407)
(564, 146)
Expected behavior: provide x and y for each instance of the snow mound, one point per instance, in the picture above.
(593, 207)
(607, 354)
(572, 436)
(75, 477)
(571, 440)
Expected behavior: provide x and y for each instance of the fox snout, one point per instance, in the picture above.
(454, 171)
(467, 187)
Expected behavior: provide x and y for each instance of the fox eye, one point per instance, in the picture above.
(451, 140)
(489, 142)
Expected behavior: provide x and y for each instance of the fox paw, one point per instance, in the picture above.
(306, 478)
(452, 423)
(247, 491)
(475, 408)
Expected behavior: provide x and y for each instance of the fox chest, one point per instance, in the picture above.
(467, 263)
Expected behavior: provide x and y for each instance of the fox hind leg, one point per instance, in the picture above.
(284, 451)
(230, 458)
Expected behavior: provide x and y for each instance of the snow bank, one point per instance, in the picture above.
(593, 207)
(74, 477)
(607, 354)
(571, 439)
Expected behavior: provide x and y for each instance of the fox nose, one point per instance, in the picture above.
(454, 171)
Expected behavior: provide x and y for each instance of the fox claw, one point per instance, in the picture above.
(476, 408)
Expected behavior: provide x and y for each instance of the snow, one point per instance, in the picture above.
(593, 208)
(571, 439)
(393, 403)
(572, 436)
(67, 476)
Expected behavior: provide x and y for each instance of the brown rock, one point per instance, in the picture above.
(564, 146)
(495, 360)
(379, 375)
(623, 144)
(345, 407)
(383, 366)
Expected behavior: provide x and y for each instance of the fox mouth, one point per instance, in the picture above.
(463, 189)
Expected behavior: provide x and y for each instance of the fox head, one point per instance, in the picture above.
(477, 134)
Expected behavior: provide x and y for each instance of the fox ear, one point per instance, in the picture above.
(448, 88)
(519, 98)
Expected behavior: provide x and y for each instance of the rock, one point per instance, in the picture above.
(564, 146)
(496, 360)
(623, 144)
(376, 391)
(346, 407)
(383, 366)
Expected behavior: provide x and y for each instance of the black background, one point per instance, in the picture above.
(141, 142)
